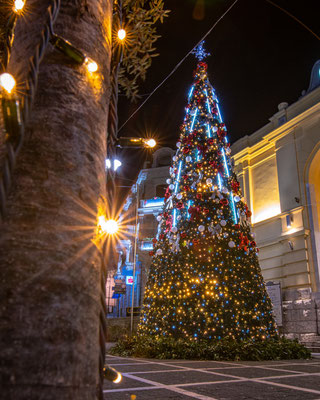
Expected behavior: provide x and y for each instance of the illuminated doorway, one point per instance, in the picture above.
(313, 202)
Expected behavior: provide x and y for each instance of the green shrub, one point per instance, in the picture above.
(222, 350)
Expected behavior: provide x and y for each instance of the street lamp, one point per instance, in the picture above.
(134, 255)
(18, 6)
(116, 164)
(150, 143)
(135, 142)
(121, 34)
(108, 226)
(7, 82)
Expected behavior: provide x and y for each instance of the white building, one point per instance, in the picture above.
(278, 167)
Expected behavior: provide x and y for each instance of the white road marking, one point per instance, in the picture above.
(178, 388)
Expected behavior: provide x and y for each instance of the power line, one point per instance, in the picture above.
(293, 17)
(178, 65)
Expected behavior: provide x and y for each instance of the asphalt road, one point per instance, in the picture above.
(204, 380)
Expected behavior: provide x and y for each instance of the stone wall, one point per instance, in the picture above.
(301, 315)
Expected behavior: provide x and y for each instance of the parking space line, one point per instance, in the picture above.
(172, 388)
(287, 386)
(180, 388)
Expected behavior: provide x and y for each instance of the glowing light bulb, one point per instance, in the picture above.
(18, 5)
(91, 65)
(118, 378)
(109, 226)
(150, 143)
(121, 34)
(7, 81)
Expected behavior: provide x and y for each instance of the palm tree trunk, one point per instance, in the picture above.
(49, 271)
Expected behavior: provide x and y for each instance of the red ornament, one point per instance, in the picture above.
(199, 165)
(235, 186)
(154, 240)
(161, 236)
(186, 150)
(244, 242)
(205, 210)
(221, 133)
(183, 234)
(168, 223)
(202, 65)
(179, 205)
(237, 226)
(213, 164)
(253, 243)
(151, 253)
(194, 211)
(224, 202)
(199, 196)
(186, 188)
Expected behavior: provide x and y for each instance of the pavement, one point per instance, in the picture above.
(204, 380)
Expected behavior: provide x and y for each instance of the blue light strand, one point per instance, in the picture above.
(187, 112)
(190, 93)
(225, 162)
(209, 133)
(189, 205)
(198, 155)
(217, 104)
(194, 118)
(178, 177)
(220, 118)
(219, 182)
(174, 222)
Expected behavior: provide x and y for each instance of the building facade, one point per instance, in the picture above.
(278, 168)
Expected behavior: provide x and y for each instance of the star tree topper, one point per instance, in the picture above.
(200, 52)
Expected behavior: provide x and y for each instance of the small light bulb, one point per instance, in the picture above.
(150, 143)
(121, 34)
(108, 163)
(18, 5)
(109, 226)
(7, 81)
(118, 378)
(91, 65)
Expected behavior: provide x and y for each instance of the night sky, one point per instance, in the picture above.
(260, 57)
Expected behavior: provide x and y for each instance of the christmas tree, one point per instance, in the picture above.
(205, 282)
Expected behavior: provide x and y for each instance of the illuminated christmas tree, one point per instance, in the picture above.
(205, 281)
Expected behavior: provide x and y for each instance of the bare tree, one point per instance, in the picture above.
(50, 271)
